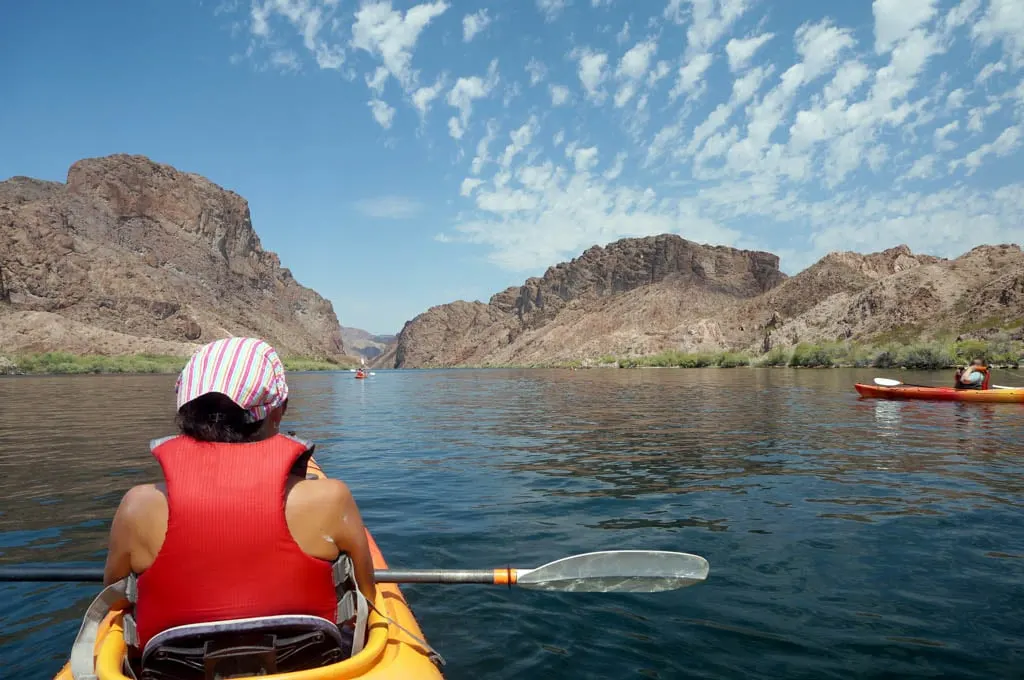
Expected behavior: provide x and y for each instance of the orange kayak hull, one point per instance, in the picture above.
(992, 396)
(389, 654)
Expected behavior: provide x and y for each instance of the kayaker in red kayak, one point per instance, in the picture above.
(235, 530)
(973, 377)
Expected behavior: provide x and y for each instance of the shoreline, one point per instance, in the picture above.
(66, 363)
(928, 356)
(931, 356)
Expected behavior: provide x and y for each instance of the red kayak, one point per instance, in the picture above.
(1004, 396)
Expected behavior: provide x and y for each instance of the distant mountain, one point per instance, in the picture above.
(365, 344)
(134, 256)
(646, 295)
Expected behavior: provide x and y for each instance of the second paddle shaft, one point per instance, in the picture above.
(498, 577)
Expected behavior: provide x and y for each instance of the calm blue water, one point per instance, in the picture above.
(847, 537)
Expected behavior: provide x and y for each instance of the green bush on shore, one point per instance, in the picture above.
(64, 363)
(917, 356)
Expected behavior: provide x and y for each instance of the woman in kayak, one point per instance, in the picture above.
(235, 530)
(973, 377)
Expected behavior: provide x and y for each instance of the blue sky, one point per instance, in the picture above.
(399, 155)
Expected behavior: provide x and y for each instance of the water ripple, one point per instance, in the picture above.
(847, 537)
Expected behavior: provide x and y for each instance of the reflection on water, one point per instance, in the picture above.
(847, 537)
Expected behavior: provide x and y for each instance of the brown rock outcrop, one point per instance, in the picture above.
(135, 256)
(641, 296)
(628, 297)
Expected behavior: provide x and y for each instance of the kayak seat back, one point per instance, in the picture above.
(244, 648)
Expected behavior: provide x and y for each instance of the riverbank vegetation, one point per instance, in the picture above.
(63, 363)
(915, 356)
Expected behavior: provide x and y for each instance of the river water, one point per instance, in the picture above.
(847, 537)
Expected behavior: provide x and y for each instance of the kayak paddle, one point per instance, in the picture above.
(611, 571)
(889, 382)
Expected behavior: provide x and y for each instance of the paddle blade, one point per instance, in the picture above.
(887, 382)
(617, 571)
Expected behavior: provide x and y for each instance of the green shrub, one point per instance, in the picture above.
(925, 357)
(732, 360)
(777, 356)
(811, 356)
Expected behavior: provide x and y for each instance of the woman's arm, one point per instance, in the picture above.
(350, 538)
(119, 546)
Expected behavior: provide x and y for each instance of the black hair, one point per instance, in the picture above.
(213, 417)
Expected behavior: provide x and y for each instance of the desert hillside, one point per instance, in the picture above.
(364, 343)
(647, 295)
(132, 256)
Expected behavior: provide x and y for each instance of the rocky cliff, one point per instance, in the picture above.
(365, 344)
(133, 256)
(641, 296)
(632, 297)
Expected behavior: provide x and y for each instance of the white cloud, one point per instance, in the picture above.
(709, 20)
(943, 144)
(537, 71)
(623, 35)
(956, 98)
(308, 19)
(551, 8)
(483, 148)
(895, 19)
(560, 95)
(637, 60)
(391, 35)
(689, 79)
(989, 70)
(592, 71)
(1004, 145)
(923, 167)
(423, 97)
(383, 113)
(286, 60)
(464, 93)
(474, 23)
(613, 173)
(702, 129)
(1003, 22)
(741, 51)
(390, 207)
(469, 185)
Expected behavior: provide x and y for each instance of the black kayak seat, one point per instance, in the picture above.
(243, 648)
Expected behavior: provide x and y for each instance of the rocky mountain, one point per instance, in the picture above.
(365, 344)
(641, 296)
(133, 256)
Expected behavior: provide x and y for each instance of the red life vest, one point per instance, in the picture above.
(228, 553)
(984, 383)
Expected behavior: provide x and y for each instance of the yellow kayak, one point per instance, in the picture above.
(390, 653)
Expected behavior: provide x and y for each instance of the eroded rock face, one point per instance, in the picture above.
(139, 249)
(640, 296)
(619, 298)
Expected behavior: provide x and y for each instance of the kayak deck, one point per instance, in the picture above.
(390, 653)
(998, 396)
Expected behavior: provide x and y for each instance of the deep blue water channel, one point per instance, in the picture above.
(848, 538)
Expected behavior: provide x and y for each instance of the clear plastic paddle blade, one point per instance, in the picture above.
(627, 571)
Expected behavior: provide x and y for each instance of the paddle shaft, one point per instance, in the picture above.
(95, 575)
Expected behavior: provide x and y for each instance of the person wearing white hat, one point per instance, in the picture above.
(235, 530)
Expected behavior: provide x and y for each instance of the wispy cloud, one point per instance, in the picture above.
(729, 121)
(475, 23)
(390, 207)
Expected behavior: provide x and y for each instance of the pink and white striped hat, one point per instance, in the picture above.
(246, 370)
